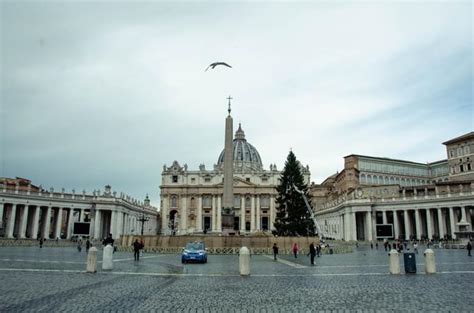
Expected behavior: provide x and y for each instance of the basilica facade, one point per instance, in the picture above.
(192, 200)
(415, 200)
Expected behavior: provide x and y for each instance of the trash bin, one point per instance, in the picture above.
(409, 263)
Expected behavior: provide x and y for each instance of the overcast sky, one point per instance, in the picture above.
(106, 92)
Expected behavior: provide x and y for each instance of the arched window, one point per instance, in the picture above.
(174, 202)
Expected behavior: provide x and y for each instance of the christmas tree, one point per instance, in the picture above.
(293, 217)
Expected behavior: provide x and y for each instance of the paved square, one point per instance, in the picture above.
(54, 279)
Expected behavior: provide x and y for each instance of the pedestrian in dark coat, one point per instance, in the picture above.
(295, 250)
(312, 253)
(88, 245)
(275, 251)
(136, 249)
(469, 248)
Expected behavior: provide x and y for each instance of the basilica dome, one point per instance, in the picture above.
(245, 155)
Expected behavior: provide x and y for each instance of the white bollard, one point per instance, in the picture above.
(92, 260)
(244, 261)
(394, 262)
(430, 264)
(107, 258)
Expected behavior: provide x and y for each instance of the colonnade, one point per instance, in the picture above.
(50, 222)
(416, 223)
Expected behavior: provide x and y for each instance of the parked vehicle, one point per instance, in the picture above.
(194, 252)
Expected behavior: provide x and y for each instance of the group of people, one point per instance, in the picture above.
(314, 250)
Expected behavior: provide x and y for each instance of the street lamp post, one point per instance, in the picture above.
(142, 218)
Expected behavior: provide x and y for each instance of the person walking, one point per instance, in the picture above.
(41, 242)
(295, 250)
(88, 245)
(469, 248)
(415, 247)
(275, 251)
(136, 249)
(312, 253)
(79, 244)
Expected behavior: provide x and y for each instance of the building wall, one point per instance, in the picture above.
(192, 198)
(431, 199)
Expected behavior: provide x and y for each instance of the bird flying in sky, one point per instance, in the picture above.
(217, 63)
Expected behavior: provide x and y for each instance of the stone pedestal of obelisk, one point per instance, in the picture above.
(228, 199)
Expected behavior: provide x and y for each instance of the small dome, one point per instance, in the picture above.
(245, 155)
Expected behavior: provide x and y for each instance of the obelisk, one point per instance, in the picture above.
(228, 199)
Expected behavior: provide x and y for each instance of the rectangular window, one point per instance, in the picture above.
(207, 179)
(236, 201)
(206, 202)
(175, 178)
(193, 180)
(461, 168)
(469, 166)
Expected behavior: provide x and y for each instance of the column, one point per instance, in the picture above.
(441, 223)
(396, 225)
(214, 213)
(418, 223)
(113, 224)
(468, 216)
(273, 213)
(70, 223)
(384, 217)
(97, 232)
(407, 225)
(119, 227)
(1, 213)
(242, 214)
(59, 222)
(257, 224)
(342, 229)
(429, 223)
(34, 234)
(252, 214)
(219, 214)
(23, 222)
(11, 221)
(184, 216)
(368, 222)
(47, 222)
(463, 214)
(451, 222)
(165, 229)
(353, 226)
(199, 215)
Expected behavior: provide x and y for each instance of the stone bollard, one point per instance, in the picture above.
(107, 258)
(92, 260)
(430, 264)
(394, 262)
(244, 261)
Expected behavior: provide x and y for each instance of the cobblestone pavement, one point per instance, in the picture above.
(54, 279)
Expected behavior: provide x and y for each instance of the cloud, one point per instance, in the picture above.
(106, 93)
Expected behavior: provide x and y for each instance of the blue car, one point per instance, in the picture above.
(194, 252)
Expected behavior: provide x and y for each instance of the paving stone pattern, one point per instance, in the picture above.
(54, 280)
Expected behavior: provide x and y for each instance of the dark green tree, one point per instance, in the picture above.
(292, 216)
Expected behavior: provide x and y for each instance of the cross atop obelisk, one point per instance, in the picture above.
(229, 98)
